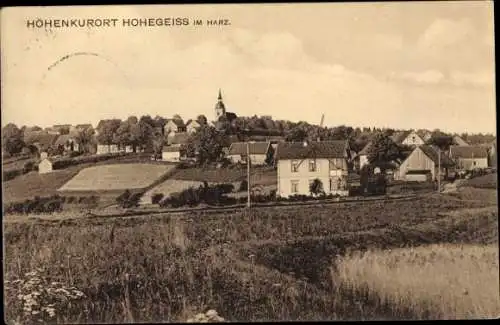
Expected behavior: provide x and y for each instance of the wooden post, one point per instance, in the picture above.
(248, 174)
(439, 170)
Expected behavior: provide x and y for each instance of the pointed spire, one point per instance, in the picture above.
(220, 95)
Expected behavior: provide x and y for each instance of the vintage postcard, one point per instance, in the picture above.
(249, 162)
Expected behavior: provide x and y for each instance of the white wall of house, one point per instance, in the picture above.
(471, 163)
(45, 166)
(297, 182)
(363, 160)
(255, 159)
(417, 160)
(104, 148)
(413, 139)
(171, 156)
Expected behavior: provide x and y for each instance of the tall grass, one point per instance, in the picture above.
(431, 282)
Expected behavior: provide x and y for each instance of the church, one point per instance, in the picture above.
(220, 111)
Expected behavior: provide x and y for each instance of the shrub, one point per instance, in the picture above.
(123, 198)
(156, 198)
(243, 185)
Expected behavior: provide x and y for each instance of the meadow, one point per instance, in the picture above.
(249, 265)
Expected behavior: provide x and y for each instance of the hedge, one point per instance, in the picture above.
(67, 162)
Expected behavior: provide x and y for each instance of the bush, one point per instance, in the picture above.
(156, 198)
(243, 185)
(36, 205)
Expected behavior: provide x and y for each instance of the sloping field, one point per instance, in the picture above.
(485, 181)
(116, 177)
(33, 184)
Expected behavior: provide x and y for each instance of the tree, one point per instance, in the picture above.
(441, 141)
(205, 145)
(297, 134)
(84, 138)
(384, 151)
(316, 187)
(158, 141)
(202, 119)
(107, 130)
(12, 139)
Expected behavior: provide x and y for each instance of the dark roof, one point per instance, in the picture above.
(323, 149)
(256, 148)
(63, 139)
(459, 141)
(433, 154)
(178, 122)
(469, 151)
(366, 148)
(400, 136)
(41, 137)
(171, 149)
(178, 138)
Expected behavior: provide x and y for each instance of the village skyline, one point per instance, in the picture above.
(431, 68)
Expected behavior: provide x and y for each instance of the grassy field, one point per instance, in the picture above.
(33, 184)
(487, 181)
(257, 265)
(116, 177)
(259, 175)
(430, 282)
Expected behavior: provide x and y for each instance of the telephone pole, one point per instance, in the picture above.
(248, 174)
(439, 170)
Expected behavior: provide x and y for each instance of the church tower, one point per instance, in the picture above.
(220, 108)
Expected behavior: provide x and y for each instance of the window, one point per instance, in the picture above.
(295, 186)
(295, 166)
(474, 163)
(312, 165)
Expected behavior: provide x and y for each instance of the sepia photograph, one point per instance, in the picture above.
(249, 162)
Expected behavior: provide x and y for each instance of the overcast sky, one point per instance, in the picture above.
(402, 65)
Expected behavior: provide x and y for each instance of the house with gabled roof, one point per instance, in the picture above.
(192, 126)
(260, 152)
(174, 125)
(422, 161)
(42, 140)
(469, 157)
(458, 141)
(409, 138)
(68, 142)
(300, 163)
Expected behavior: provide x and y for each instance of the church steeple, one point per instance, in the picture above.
(220, 108)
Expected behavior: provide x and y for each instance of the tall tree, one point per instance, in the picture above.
(84, 138)
(202, 119)
(205, 145)
(297, 134)
(441, 141)
(12, 139)
(384, 151)
(107, 131)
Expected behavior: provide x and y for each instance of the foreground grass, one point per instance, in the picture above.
(431, 282)
(165, 268)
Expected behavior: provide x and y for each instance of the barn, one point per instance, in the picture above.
(423, 163)
(259, 152)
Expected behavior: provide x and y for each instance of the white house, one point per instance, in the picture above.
(469, 157)
(410, 138)
(171, 153)
(424, 160)
(192, 126)
(174, 125)
(259, 152)
(45, 165)
(299, 164)
(104, 148)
